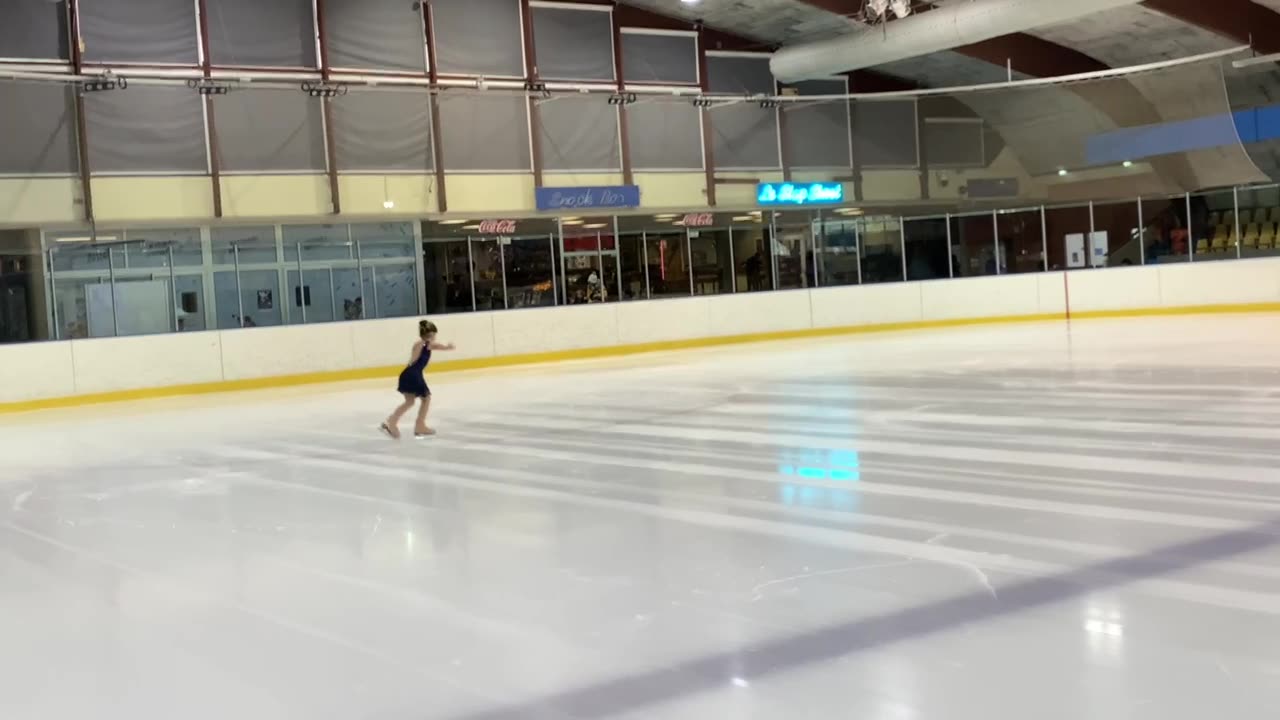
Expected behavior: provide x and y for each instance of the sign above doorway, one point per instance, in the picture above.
(799, 193)
(587, 198)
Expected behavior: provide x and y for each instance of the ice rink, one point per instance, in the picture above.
(1026, 522)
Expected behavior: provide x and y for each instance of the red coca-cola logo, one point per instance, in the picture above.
(497, 227)
(699, 220)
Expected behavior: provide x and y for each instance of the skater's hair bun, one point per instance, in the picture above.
(426, 327)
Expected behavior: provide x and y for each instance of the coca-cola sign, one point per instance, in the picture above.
(699, 220)
(497, 227)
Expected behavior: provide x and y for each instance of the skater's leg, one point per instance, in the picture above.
(394, 420)
(420, 427)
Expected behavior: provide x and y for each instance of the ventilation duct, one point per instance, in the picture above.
(950, 26)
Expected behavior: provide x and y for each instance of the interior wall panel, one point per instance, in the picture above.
(383, 131)
(478, 37)
(139, 31)
(34, 30)
(258, 33)
(37, 129)
(146, 129)
(270, 131)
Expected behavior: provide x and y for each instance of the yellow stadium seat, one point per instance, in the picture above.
(1220, 232)
(1267, 236)
(1246, 217)
(1202, 246)
(1251, 235)
(1215, 219)
(1274, 216)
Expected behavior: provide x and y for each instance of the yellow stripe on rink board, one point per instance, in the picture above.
(285, 381)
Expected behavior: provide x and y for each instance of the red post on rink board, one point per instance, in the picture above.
(497, 227)
(699, 220)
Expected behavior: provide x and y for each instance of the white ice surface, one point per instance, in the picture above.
(1014, 522)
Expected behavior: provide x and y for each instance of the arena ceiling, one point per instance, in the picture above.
(1147, 32)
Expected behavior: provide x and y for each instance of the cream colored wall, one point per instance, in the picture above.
(123, 199)
(672, 189)
(742, 195)
(30, 201)
(366, 194)
(485, 194)
(276, 196)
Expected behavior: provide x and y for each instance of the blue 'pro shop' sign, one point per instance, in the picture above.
(587, 198)
(785, 193)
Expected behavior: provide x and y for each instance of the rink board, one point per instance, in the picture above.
(59, 374)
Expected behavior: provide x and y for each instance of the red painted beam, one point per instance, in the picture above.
(82, 125)
(1032, 55)
(331, 146)
(437, 143)
(215, 162)
(1243, 21)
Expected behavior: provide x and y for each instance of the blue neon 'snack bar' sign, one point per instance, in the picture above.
(799, 193)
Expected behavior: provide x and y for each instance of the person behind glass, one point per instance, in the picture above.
(413, 385)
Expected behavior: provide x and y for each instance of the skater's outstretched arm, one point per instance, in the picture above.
(441, 346)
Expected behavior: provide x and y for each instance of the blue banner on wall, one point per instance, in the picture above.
(587, 198)
(799, 193)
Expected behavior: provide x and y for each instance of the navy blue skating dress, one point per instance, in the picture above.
(411, 380)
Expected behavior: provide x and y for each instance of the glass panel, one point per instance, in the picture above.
(1115, 240)
(259, 293)
(590, 260)
(1262, 206)
(792, 247)
(634, 267)
(1164, 230)
(257, 245)
(22, 299)
(72, 303)
(973, 245)
(448, 276)
(486, 259)
(711, 253)
(190, 302)
(395, 290)
(668, 267)
(926, 245)
(1067, 228)
(384, 240)
(881, 250)
(529, 271)
(1214, 226)
(315, 295)
(755, 273)
(72, 251)
(348, 294)
(838, 259)
(1021, 240)
(150, 249)
(141, 306)
(319, 242)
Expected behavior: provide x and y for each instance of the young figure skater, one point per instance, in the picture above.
(413, 385)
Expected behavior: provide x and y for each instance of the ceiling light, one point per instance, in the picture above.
(570, 222)
(1062, 172)
(593, 226)
(388, 204)
(664, 216)
(743, 218)
(1128, 163)
(689, 2)
(471, 227)
(454, 222)
(572, 217)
